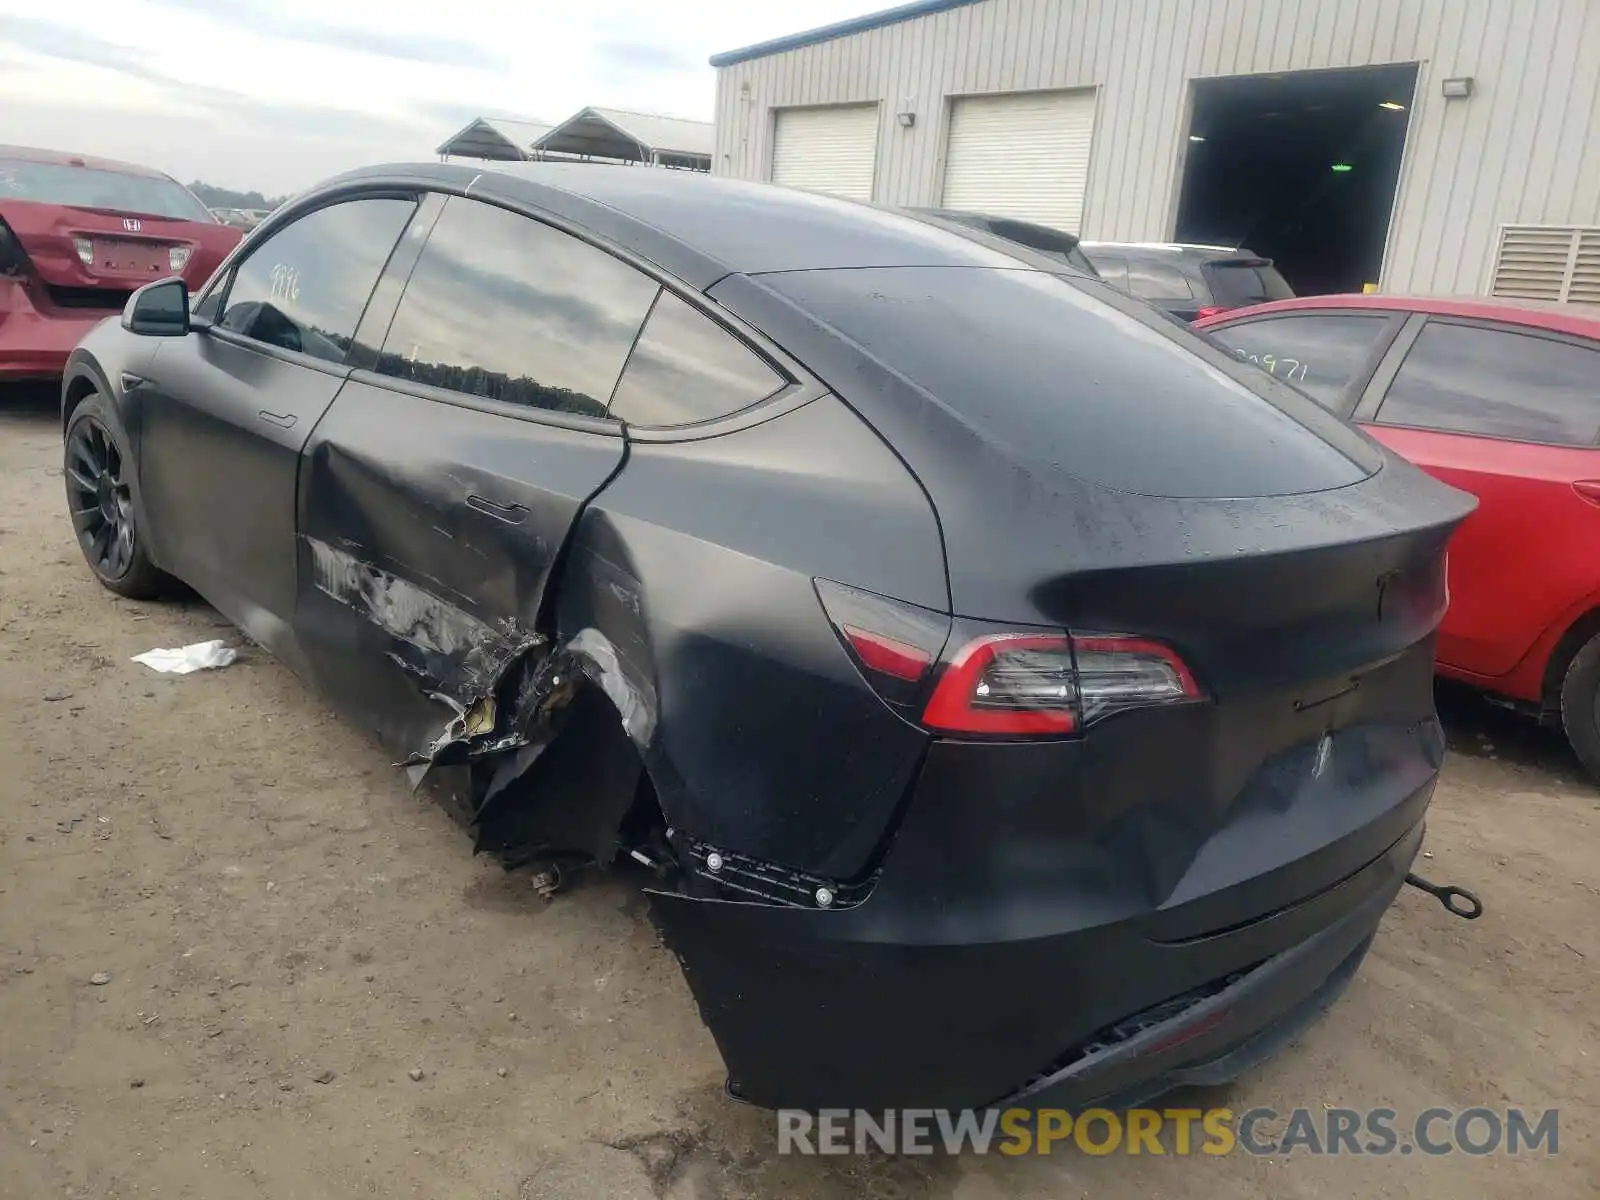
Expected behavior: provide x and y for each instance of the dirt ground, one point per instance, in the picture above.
(290, 934)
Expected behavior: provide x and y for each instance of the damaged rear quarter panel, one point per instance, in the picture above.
(696, 567)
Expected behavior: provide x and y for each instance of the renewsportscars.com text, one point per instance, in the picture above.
(1323, 1130)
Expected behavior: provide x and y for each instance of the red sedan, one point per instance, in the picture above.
(77, 236)
(1500, 401)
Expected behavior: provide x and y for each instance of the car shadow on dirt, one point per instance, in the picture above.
(34, 401)
(1476, 727)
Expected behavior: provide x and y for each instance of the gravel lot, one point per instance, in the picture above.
(290, 935)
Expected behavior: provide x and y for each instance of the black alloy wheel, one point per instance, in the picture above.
(99, 481)
(102, 505)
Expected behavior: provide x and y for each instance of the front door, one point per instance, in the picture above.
(225, 412)
(440, 488)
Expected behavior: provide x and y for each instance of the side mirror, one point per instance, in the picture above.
(158, 309)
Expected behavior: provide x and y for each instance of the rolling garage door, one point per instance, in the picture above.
(827, 149)
(1023, 155)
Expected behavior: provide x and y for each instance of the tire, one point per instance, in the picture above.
(1580, 705)
(98, 471)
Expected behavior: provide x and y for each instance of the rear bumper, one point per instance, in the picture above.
(927, 994)
(1218, 1037)
(35, 342)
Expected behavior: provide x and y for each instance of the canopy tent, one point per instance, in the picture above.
(612, 133)
(501, 138)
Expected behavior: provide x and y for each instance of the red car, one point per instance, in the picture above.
(77, 236)
(1503, 402)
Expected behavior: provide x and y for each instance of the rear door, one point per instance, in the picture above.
(1512, 415)
(1327, 353)
(439, 490)
(223, 413)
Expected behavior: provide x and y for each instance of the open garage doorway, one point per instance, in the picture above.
(1300, 167)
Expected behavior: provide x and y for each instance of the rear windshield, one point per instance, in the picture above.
(1246, 281)
(89, 187)
(1066, 374)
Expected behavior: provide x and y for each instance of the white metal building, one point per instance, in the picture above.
(1431, 146)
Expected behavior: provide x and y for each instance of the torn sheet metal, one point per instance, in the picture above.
(501, 692)
(401, 608)
(549, 689)
(459, 660)
(544, 697)
(633, 698)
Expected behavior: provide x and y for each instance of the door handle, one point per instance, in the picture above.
(281, 420)
(511, 514)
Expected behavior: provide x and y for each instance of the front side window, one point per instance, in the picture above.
(1496, 383)
(507, 308)
(304, 288)
(1320, 354)
(687, 368)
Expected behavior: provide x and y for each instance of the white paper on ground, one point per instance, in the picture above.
(200, 656)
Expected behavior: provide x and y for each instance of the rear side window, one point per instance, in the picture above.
(1246, 281)
(1468, 379)
(687, 368)
(305, 287)
(1152, 280)
(508, 308)
(1321, 355)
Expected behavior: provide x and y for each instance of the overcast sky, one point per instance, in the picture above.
(276, 94)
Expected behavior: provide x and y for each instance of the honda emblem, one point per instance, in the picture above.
(131, 225)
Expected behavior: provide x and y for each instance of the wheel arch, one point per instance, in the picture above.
(583, 788)
(1572, 639)
(81, 379)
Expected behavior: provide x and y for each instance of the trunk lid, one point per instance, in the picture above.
(1099, 469)
(96, 258)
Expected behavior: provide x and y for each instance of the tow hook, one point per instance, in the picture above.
(1469, 908)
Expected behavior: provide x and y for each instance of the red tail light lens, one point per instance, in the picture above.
(1023, 685)
(887, 656)
(1210, 311)
(893, 644)
(1007, 684)
(13, 259)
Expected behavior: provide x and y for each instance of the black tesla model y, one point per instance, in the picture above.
(1017, 699)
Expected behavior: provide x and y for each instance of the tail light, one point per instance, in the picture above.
(85, 249)
(1021, 685)
(178, 258)
(1211, 310)
(1004, 684)
(894, 644)
(13, 260)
